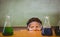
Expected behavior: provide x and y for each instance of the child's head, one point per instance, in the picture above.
(34, 24)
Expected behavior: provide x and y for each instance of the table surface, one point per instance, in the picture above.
(25, 33)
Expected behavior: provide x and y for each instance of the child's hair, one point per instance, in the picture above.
(34, 19)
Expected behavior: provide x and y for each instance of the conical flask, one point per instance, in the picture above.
(7, 29)
(57, 29)
(46, 30)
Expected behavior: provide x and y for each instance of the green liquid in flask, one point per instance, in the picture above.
(8, 31)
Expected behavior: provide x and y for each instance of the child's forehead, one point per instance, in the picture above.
(34, 23)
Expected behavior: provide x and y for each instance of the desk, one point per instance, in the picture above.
(25, 33)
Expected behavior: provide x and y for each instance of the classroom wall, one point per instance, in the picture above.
(22, 10)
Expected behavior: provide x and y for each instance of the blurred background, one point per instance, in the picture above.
(21, 11)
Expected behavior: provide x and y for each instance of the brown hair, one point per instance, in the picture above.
(34, 19)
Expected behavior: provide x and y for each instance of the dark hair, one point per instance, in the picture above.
(34, 19)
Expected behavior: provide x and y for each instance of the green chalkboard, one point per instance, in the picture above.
(21, 11)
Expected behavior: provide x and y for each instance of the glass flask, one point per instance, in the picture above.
(46, 30)
(57, 29)
(7, 29)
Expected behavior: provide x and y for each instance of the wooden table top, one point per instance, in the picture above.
(25, 33)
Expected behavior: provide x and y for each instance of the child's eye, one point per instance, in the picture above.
(36, 26)
(32, 27)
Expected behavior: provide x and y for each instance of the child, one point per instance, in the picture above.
(34, 24)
